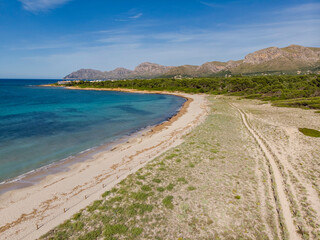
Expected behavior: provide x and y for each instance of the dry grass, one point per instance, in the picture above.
(216, 185)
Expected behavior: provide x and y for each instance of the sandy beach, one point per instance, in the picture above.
(30, 212)
(246, 172)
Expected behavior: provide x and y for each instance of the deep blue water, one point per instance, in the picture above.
(41, 125)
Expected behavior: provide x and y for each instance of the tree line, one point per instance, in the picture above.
(269, 87)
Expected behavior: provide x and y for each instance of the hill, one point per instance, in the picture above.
(293, 59)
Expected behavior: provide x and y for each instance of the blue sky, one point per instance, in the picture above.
(51, 38)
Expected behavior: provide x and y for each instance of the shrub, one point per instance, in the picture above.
(310, 132)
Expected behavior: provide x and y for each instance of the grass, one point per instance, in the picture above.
(182, 180)
(167, 202)
(136, 231)
(156, 180)
(140, 196)
(309, 132)
(170, 187)
(191, 165)
(161, 189)
(93, 235)
(146, 188)
(94, 206)
(306, 103)
(143, 204)
(111, 230)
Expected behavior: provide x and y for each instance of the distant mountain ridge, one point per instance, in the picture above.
(291, 59)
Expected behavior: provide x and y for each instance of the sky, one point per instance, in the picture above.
(52, 38)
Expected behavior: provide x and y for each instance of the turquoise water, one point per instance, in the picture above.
(41, 125)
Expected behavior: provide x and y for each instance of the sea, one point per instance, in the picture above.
(40, 126)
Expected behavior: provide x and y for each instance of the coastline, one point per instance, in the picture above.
(37, 175)
(67, 192)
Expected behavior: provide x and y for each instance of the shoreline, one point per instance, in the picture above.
(37, 175)
(67, 192)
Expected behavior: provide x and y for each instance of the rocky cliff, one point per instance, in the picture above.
(293, 59)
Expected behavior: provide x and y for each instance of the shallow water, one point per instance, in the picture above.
(41, 125)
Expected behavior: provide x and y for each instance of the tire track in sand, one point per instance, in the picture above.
(285, 205)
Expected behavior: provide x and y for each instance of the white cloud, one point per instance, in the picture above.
(128, 49)
(137, 16)
(41, 5)
(135, 43)
(302, 9)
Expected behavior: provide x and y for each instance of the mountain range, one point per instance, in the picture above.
(293, 59)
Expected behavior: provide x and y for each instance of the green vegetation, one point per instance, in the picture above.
(310, 132)
(170, 187)
(156, 180)
(198, 202)
(167, 202)
(183, 180)
(307, 103)
(111, 230)
(191, 188)
(305, 90)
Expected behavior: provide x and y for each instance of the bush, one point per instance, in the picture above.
(309, 132)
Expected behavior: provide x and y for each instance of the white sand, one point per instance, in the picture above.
(58, 197)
